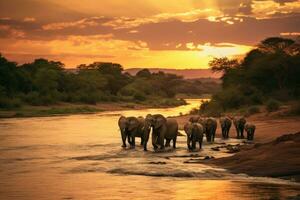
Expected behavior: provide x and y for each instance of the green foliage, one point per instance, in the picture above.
(139, 96)
(269, 71)
(211, 108)
(272, 105)
(253, 110)
(44, 82)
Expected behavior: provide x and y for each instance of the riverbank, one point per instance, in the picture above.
(70, 108)
(279, 158)
(273, 154)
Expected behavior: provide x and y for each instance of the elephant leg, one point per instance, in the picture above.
(208, 136)
(145, 141)
(154, 139)
(242, 133)
(123, 140)
(200, 143)
(167, 142)
(142, 141)
(193, 144)
(223, 133)
(145, 145)
(174, 142)
(132, 142)
(188, 142)
(161, 141)
(213, 135)
(129, 139)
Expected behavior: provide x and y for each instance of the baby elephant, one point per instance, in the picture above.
(250, 129)
(194, 132)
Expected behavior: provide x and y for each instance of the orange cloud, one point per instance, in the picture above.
(87, 49)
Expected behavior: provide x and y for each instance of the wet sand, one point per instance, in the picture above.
(265, 157)
(279, 158)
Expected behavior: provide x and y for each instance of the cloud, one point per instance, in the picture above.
(8, 31)
(29, 19)
(82, 23)
(190, 16)
(268, 9)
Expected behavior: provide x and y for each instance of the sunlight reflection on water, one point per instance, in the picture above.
(79, 157)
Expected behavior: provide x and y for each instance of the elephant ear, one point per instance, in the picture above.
(188, 128)
(122, 122)
(132, 123)
(159, 121)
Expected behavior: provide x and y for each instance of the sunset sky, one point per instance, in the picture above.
(147, 33)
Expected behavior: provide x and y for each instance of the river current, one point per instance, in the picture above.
(80, 157)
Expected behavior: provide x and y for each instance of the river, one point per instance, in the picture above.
(80, 157)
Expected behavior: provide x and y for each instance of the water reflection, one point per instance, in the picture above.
(79, 157)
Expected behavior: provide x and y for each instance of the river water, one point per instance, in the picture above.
(80, 157)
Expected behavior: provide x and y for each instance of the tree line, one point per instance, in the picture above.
(44, 82)
(269, 71)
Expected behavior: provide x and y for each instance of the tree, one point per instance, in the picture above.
(144, 73)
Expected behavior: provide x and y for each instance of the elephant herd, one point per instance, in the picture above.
(165, 130)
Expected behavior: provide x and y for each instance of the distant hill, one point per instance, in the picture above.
(186, 73)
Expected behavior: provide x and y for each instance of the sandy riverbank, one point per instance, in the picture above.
(272, 154)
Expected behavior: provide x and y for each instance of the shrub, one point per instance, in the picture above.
(295, 109)
(7, 103)
(139, 96)
(252, 110)
(272, 105)
(211, 108)
(32, 98)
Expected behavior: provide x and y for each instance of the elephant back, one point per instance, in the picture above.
(250, 126)
(211, 121)
(226, 122)
(132, 123)
(172, 128)
(194, 119)
(197, 131)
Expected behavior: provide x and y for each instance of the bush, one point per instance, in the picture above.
(252, 110)
(211, 108)
(295, 109)
(7, 103)
(272, 105)
(32, 98)
(139, 96)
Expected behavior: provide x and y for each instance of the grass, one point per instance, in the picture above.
(49, 111)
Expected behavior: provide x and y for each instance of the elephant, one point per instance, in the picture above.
(250, 129)
(194, 132)
(239, 124)
(210, 129)
(225, 123)
(131, 127)
(194, 119)
(162, 128)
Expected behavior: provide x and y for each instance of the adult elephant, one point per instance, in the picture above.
(239, 124)
(250, 129)
(194, 132)
(162, 128)
(210, 129)
(131, 127)
(225, 123)
(194, 119)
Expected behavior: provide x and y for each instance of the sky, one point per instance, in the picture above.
(149, 33)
